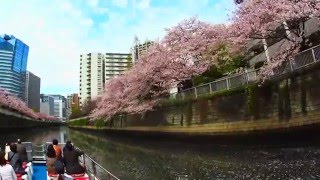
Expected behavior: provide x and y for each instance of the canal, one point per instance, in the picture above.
(137, 158)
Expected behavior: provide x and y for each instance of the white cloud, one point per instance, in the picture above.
(100, 10)
(86, 22)
(57, 32)
(120, 3)
(56, 39)
(93, 3)
(68, 8)
(143, 4)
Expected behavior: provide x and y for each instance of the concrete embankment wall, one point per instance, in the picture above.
(10, 119)
(288, 103)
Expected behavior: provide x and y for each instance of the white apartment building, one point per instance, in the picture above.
(60, 107)
(91, 76)
(115, 64)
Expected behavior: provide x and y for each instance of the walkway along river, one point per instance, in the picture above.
(138, 158)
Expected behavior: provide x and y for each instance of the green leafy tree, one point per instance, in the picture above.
(224, 61)
(75, 113)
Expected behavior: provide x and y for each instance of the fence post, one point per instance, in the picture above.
(195, 91)
(94, 170)
(210, 88)
(84, 159)
(313, 55)
(227, 80)
(247, 76)
(291, 65)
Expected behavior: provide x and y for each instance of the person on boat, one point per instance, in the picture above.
(57, 149)
(53, 164)
(51, 158)
(64, 148)
(7, 150)
(22, 151)
(6, 170)
(71, 160)
(14, 159)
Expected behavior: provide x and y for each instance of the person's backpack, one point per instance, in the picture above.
(58, 165)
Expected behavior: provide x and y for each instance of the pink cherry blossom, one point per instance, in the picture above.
(259, 19)
(186, 51)
(178, 57)
(11, 102)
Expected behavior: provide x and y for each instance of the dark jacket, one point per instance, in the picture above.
(15, 162)
(71, 160)
(22, 153)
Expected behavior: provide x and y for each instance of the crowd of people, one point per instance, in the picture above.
(67, 161)
(59, 161)
(13, 160)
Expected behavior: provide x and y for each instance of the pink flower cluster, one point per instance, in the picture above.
(13, 103)
(260, 19)
(182, 53)
(176, 58)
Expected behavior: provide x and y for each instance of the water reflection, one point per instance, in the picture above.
(35, 135)
(134, 158)
(140, 159)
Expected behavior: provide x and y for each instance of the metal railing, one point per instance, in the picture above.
(301, 60)
(96, 169)
(226, 83)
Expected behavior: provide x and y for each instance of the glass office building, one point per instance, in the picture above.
(13, 65)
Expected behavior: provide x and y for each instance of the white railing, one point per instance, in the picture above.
(301, 60)
(226, 83)
(96, 169)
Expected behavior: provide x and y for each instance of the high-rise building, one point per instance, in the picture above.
(139, 49)
(13, 65)
(97, 68)
(32, 91)
(73, 101)
(115, 64)
(91, 76)
(60, 106)
(47, 104)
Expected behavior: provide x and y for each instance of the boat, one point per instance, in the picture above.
(36, 167)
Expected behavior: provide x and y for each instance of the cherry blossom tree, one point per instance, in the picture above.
(43, 116)
(11, 102)
(278, 20)
(179, 56)
(190, 47)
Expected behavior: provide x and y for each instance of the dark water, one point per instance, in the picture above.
(134, 158)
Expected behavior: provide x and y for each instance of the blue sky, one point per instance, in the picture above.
(58, 31)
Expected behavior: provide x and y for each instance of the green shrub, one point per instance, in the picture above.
(79, 122)
(99, 123)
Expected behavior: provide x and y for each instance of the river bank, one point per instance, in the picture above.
(300, 134)
(9, 121)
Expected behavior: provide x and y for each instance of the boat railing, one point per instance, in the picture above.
(35, 151)
(96, 169)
